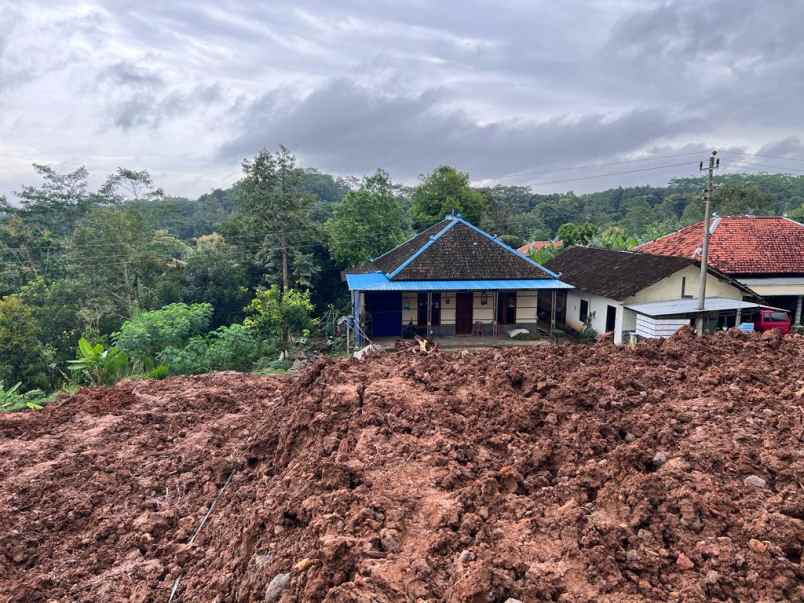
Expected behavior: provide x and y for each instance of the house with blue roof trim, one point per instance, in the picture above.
(453, 278)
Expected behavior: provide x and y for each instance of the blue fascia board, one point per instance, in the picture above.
(506, 247)
(377, 281)
(423, 248)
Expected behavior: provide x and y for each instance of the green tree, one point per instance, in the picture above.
(59, 201)
(576, 234)
(279, 316)
(367, 222)
(214, 273)
(275, 212)
(119, 260)
(442, 192)
(614, 237)
(23, 358)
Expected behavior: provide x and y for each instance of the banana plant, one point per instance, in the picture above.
(11, 399)
(97, 364)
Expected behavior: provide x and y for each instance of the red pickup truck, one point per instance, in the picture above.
(767, 319)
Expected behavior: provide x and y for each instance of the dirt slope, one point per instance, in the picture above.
(669, 472)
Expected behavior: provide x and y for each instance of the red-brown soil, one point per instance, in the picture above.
(576, 473)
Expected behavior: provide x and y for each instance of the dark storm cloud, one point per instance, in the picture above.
(505, 91)
(345, 127)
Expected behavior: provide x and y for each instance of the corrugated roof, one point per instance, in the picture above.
(377, 281)
(690, 306)
(740, 245)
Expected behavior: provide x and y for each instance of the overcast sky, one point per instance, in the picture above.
(547, 93)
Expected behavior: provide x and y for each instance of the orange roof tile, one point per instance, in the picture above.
(740, 244)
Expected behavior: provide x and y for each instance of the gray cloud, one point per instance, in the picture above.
(187, 88)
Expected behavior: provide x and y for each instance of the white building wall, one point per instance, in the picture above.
(597, 312)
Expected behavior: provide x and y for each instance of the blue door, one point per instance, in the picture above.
(385, 309)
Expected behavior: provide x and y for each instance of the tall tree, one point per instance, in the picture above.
(275, 210)
(442, 192)
(59, 201)
(367, 222)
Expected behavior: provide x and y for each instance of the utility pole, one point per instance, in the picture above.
(714, 163)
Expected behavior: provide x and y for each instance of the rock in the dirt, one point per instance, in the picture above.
(276, 587)
(755, 481)
(757, 546)
(512, 600)
(369, 350)
(660, 458)
(683, 562)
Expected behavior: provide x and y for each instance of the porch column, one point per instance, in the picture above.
(429, 313)
(738, 318)
(356, 318)
(494, 321)
(553, 311)
(799, 308)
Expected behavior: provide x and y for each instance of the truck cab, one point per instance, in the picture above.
(768, 318)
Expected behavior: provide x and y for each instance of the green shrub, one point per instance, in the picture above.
(158, 372)
(281, 317)
(149, 333)
(98, 365)
(12, 400)
(235, 347)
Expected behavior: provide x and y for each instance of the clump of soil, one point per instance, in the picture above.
(669, 472)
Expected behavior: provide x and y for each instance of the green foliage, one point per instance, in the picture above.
(159, 372)
(367, 222)
(98, 365)
(614, 237)
(11, 399)
(23, 356)
(545, 254)
(275, 315)
(235, 348)
(576, 234)
(445, 191)
(214, 273)
(148, 333)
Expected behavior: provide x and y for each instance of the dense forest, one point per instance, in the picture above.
(127, 280)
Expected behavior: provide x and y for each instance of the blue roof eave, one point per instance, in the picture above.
(377, 281)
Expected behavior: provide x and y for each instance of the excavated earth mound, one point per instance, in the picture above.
(669, 472)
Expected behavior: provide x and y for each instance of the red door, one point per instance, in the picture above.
(463, 313)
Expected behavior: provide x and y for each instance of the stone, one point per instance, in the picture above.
(303, 565)
(683, 562)
(711, 578)
(755, 481)
(276, 587)
(390, 540)
(512, 600)
(757, 546)
(660, 458)
(630, 437)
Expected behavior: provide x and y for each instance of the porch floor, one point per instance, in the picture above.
(469, 341)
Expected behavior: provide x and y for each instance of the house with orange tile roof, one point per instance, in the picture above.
(765, 253)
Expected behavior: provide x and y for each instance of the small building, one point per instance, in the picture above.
(609, 284)
(453, 279)
(765, 253)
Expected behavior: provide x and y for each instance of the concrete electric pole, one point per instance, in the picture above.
(714, 163)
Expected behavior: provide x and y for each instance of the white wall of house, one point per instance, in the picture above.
(687, 278)
(667, 289)
(598, 307)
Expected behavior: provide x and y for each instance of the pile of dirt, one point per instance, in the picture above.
(672, 471)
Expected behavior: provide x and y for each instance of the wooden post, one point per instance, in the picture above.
(429, 313)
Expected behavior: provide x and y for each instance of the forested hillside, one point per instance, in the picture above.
(152, 284)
